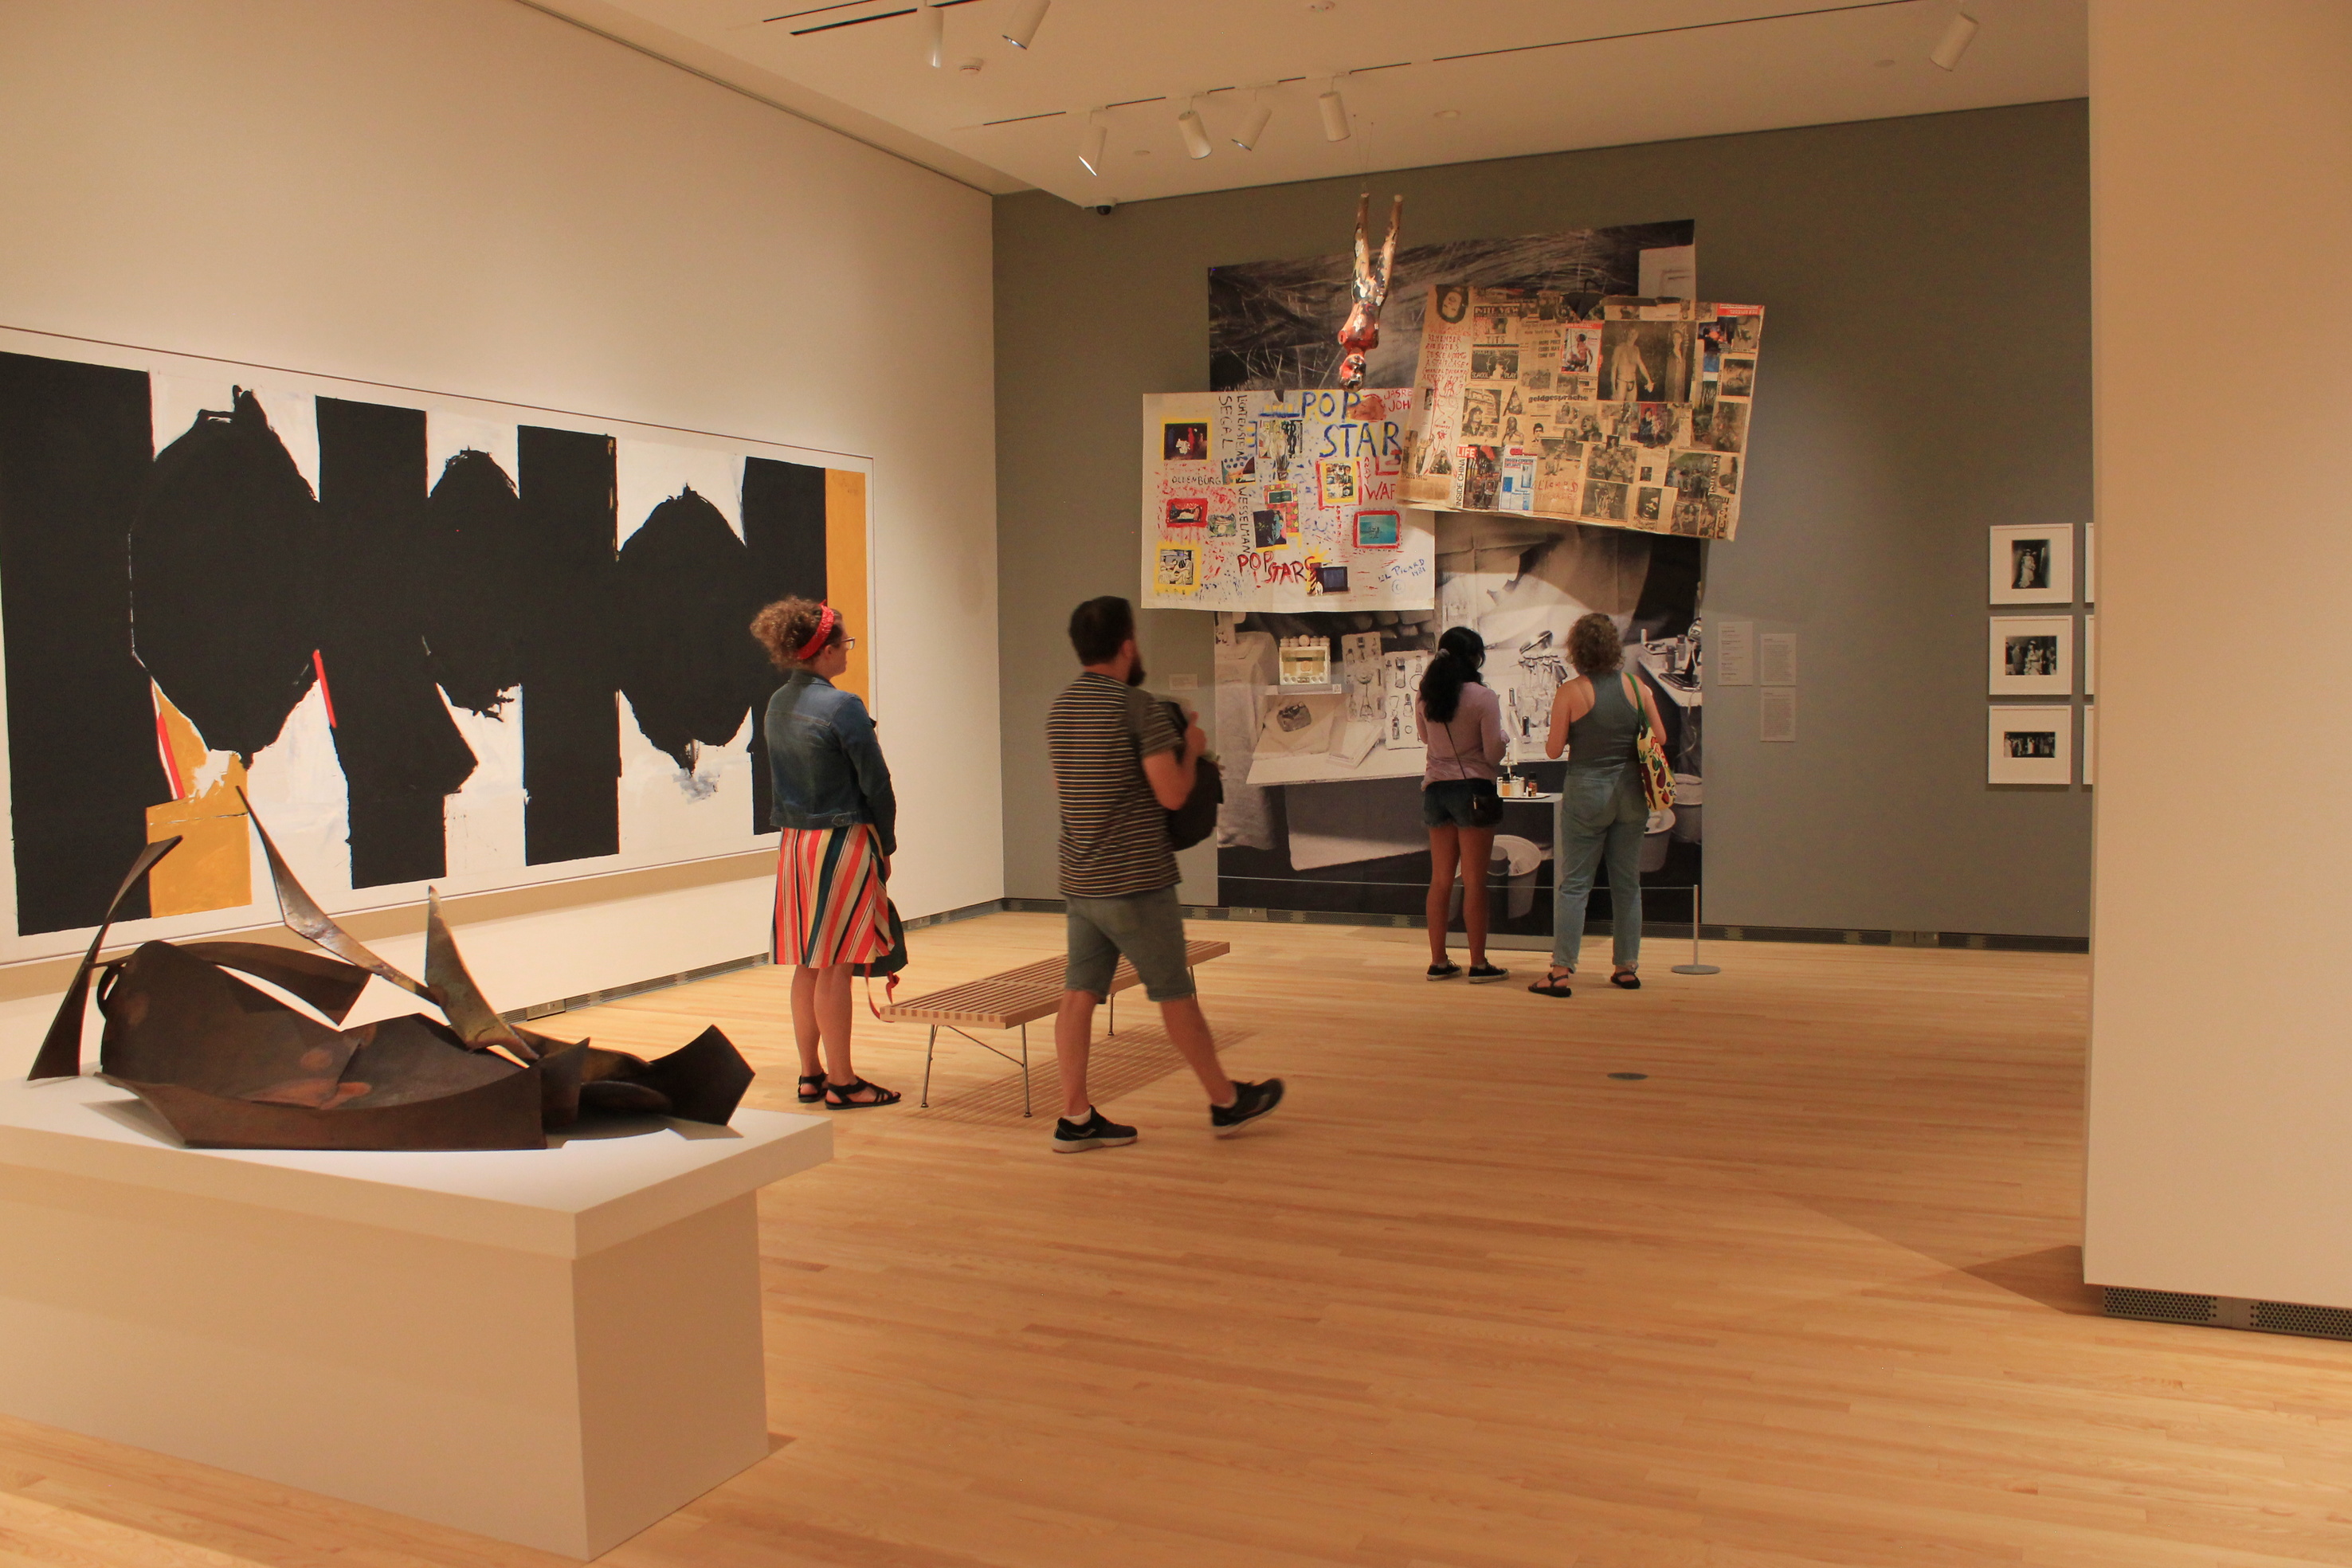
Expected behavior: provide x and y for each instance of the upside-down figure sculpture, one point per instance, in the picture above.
(1362, 332)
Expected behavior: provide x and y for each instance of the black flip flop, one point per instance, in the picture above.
(1551, 985)
(811, 1087)
(1626, 980)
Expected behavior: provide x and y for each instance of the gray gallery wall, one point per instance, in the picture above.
(1926, 374)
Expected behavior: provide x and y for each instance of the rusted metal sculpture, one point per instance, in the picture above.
(230, 1067)
(1361, 332)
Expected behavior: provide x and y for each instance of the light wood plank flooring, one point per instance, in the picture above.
(1807, 1294)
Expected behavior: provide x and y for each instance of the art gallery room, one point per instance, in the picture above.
(1022, 784)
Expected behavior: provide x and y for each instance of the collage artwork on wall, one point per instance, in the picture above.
(434, 639)
(1315, 676)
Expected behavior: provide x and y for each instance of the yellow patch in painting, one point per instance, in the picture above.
(213, 867)
(846, 573)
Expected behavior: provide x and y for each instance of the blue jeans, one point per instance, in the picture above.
(1601, 811)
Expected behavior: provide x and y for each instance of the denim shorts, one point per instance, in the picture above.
(1461, 803)
(1147, 929)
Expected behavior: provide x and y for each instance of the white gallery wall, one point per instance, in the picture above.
(2220, 1081)
(472, 197)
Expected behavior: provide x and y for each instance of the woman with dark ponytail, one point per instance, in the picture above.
(1461, 722)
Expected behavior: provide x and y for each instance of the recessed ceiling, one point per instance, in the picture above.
(1422, 81)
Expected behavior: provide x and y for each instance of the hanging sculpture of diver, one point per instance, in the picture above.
(1362, 334)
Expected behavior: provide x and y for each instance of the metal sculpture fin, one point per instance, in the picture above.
(60, 1052)
(461, 1001)
(303, 916)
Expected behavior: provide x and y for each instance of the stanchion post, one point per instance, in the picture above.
(1694, 967)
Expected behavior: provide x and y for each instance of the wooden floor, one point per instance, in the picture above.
(1806, 1294)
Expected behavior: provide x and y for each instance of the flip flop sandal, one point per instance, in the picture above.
(1443, 971)
(858, 1086)
(1554, 986)
(1626, 980)
(811, 1087)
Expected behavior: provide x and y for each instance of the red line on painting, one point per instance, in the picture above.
(171, 764)
(325, 696)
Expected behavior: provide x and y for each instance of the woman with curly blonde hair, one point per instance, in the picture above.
(1596, 718)
(831, 798)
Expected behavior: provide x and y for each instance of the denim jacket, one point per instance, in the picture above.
(823, 762)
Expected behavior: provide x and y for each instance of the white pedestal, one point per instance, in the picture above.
(553, 1347)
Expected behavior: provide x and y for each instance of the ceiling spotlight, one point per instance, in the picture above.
(1253, 126)
(970, 67)
(935, 37)
(1447, 114)
(1196, 135)
(1334, 114)
(1024, 22)
(1090, 154)
(1956, 39)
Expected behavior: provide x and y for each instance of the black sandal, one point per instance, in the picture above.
(1626, 980)
(858, 1086)
(811, 1087)
(1443, 971)
(1554, 983)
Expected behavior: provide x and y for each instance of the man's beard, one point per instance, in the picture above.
(1135, 673)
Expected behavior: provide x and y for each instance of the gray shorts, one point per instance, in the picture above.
(1146, 928)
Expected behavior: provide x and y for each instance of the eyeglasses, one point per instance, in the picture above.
(845, 644)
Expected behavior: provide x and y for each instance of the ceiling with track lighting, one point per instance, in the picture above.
(1115, 101)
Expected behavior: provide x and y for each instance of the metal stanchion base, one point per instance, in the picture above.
(1697, 968)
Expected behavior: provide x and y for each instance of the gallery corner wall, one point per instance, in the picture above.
(1927, 281)
(2221, 1091)
(472, 197)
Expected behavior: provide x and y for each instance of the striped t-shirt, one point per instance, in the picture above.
(1114, 829)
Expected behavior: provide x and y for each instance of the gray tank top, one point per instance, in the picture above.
(1603, 738)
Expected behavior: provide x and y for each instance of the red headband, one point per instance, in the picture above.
(825, 621)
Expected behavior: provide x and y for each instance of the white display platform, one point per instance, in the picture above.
(555, 1347)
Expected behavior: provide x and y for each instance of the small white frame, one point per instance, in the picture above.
(2055, 638)
(2006, 730)
(2052, 548)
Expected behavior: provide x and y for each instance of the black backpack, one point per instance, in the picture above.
(1194, 820)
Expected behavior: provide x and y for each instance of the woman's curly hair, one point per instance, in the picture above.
(785, 626)
(1595, 645)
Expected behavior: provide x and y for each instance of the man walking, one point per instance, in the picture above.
(1120, 766)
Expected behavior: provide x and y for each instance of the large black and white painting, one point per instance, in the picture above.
(432, 639)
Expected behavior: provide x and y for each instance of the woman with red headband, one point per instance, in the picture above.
(831, 794)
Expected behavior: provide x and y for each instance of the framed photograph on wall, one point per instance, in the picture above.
(2090, 563)
(2030, 746)
(2090, 656)
(2032, 565)
(2031, 656)
(2090, 744)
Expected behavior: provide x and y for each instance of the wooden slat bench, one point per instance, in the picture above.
(1016, 999)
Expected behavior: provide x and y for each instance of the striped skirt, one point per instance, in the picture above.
(830, 906)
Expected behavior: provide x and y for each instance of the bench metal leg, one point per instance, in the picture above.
(928, 1050)
(1024, 1069)
(1114, 1012)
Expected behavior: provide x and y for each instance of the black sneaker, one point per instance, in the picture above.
(1487, 974)
(1097, 1131)
(1250, 1100)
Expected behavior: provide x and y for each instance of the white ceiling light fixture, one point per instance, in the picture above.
(1334, 109)
(1024, 22)
(1195, 134)
(1090, 152)
(1253, 125)
(1956, 41)
(935, 38)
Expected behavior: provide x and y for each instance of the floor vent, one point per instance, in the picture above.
(2162, 1306)
(2286, 1317)
(2229, 1313)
